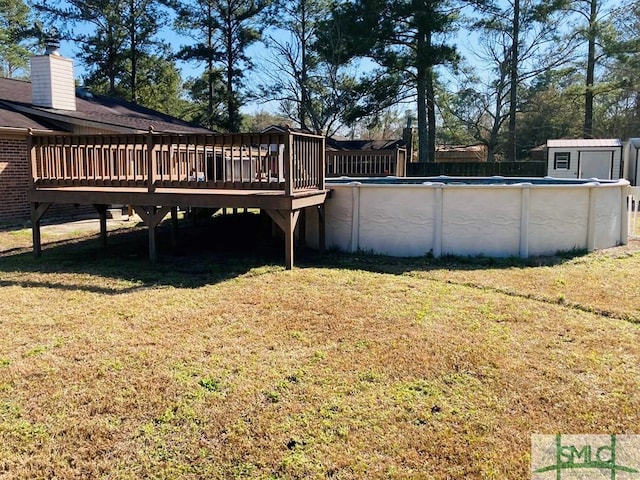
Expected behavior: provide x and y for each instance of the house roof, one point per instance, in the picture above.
(365, 144)
(93, 111)
(18, 91)
(478, 147)
(283, 128)
(584, 143)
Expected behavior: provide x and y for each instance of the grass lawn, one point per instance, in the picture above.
(218, 363)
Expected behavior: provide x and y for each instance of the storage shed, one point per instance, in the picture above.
(585, 158)
(632, 161)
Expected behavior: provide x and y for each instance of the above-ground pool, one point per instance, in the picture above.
(494, 216)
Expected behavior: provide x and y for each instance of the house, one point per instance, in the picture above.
(585, 158)
(461, 153)
(538, 153)
(51, 104)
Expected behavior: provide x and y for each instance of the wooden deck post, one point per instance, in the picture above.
(322, 163)
(151, 216)
(151, 178)
(37, 211)
(286, 220)
(321, 229)
(302, 230)
(153, 251)
(33, 159)
(288, 163)
(174, 227)
(288, 239)
(102, 213)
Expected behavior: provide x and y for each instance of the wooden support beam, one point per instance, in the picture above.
(102, 213)
(321, 229)
(37, 211)
(286, 220)
(174, 227)
(290, 224)
(302, 230)
(151, 216)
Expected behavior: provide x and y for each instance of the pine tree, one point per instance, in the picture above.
(15, 48)
(222, 30)
(122, 34)
(407, 39)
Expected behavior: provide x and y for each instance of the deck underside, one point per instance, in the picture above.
(153, 207)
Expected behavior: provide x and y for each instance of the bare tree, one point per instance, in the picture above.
(593, 21)
(514, 51)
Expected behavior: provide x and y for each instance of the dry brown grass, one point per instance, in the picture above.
(15, 238)
(218, 366)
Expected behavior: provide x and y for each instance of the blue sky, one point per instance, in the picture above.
(257, 52)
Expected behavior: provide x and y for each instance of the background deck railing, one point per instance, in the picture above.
(366, 163)
(279, 161)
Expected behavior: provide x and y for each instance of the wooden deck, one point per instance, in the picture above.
(367, 163)
(281, 174)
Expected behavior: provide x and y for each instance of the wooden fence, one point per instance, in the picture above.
(366, 163)
(478, 169)
(279, 161)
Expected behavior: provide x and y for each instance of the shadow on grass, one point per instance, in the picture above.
(401, 265)
(213, 250)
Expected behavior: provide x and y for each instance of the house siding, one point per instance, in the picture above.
(53, 83)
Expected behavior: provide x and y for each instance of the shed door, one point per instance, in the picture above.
(595, 165)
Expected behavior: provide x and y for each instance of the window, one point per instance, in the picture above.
(562, 160)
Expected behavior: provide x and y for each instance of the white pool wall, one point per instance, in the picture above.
(523, 219)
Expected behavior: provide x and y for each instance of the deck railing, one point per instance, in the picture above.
(368, 163)
(287, 161)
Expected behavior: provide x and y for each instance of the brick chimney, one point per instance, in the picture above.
(52, 81)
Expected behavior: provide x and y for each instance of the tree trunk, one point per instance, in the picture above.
(133, 53)
(232, 109)
(421, 85)
(512, 153)
(210, 122)
(423, 143)
(431, 116)
(304, 94)
(112, 55)
(591, 67)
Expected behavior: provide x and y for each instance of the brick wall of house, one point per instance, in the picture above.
(14, 183)
(14, 179)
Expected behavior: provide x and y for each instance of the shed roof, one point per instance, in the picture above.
(97, 111)
(584, 143)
